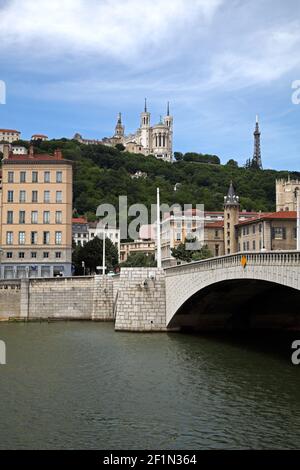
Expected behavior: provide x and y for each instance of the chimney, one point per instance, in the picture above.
(57, 154)
(31, 151)
(6, 151)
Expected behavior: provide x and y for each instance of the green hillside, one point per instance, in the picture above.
(102, 173)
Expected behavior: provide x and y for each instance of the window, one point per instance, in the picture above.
(21, 254)
(58, 255)
(34, 196)
(178, 236)
(10, 217)
(10, 196)
(21, 238)
(46, 238)
(248, 246)
(34, 237)
(254, 245)
(34, 176)
(47, 196)
(46, 218)
(295, 232)
(59, 176)
(22, 196)
(23, 177)
(34, 217)
(9, 238)
(46, 254)
(47, 177)
(58, 196)
(260, 228)
(58, 217)
(33, 254)
(10, 177)
(228, 225)
(9, 255)
(279, 233)
(244, 246)
(216, 233)
(58, 238)
(21, 217)
(253, 229)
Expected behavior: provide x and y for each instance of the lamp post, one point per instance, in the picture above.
(103, 253)
(158, 234)
(297, 196)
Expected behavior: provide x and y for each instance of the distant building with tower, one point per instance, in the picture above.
(154, 140)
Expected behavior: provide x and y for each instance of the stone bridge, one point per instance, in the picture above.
(261, 288)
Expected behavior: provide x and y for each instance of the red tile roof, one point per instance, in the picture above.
(281, 215)
(10, 130)
(217, 224)
(39, 135)
(79, 220)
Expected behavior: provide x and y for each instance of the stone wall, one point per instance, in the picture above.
(141, 300)
(10, 299)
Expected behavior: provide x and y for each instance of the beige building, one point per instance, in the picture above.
(273, 231)
(41, 137)
(9, 135)
(36, 210)
(286, 194)
(146, 247)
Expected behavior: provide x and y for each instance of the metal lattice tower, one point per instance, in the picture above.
(257, 150)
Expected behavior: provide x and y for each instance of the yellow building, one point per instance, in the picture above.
(36, 213)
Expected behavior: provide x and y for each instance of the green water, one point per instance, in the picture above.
(81, 385)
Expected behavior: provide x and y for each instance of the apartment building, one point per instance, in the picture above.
(9, 135)
(36, 212)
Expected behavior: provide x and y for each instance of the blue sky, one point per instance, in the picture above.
(72, 65)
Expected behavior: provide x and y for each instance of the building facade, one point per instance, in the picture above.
(286, 194)
(113, 234)
(9, 135)
(80, 231)
(36, 213)
(146, 247)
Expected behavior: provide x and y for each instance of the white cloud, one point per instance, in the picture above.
(122, 29)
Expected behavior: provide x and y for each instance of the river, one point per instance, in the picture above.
(80, 385)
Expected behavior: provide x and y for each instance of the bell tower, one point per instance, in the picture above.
(120, 129)
(231, 219)
(145, 127)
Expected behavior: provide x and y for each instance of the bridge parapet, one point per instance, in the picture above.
(271, 258)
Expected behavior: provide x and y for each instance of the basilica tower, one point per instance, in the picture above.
(145, 127)
(120, 129)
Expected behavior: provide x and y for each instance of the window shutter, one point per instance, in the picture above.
(273, 233)
(284, 233)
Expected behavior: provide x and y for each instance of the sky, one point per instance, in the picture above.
(71, 65)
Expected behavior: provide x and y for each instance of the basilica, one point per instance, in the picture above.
(154, 140)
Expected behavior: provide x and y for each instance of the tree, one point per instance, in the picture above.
(120, 147)
(178, 156)
(232, 162)
(139, 260)
(91, 254)
(182, 254)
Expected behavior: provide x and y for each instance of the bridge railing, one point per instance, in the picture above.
(271, 258)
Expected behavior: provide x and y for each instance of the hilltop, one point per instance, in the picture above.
(103, 173)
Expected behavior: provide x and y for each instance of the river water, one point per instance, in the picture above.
(81, 385)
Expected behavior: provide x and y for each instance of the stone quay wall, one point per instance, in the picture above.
(135, 300)
(141, 300)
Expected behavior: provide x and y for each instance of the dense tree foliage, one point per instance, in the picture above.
(181, 253)
(103, 173)
(92, 255)
(142, 260)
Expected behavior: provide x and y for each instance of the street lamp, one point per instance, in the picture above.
(297, 196)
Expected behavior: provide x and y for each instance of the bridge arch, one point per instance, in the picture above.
(207, 283)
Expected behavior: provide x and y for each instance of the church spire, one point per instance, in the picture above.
(256, 161)
(231, 199)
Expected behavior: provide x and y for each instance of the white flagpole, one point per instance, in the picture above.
(158, 231)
